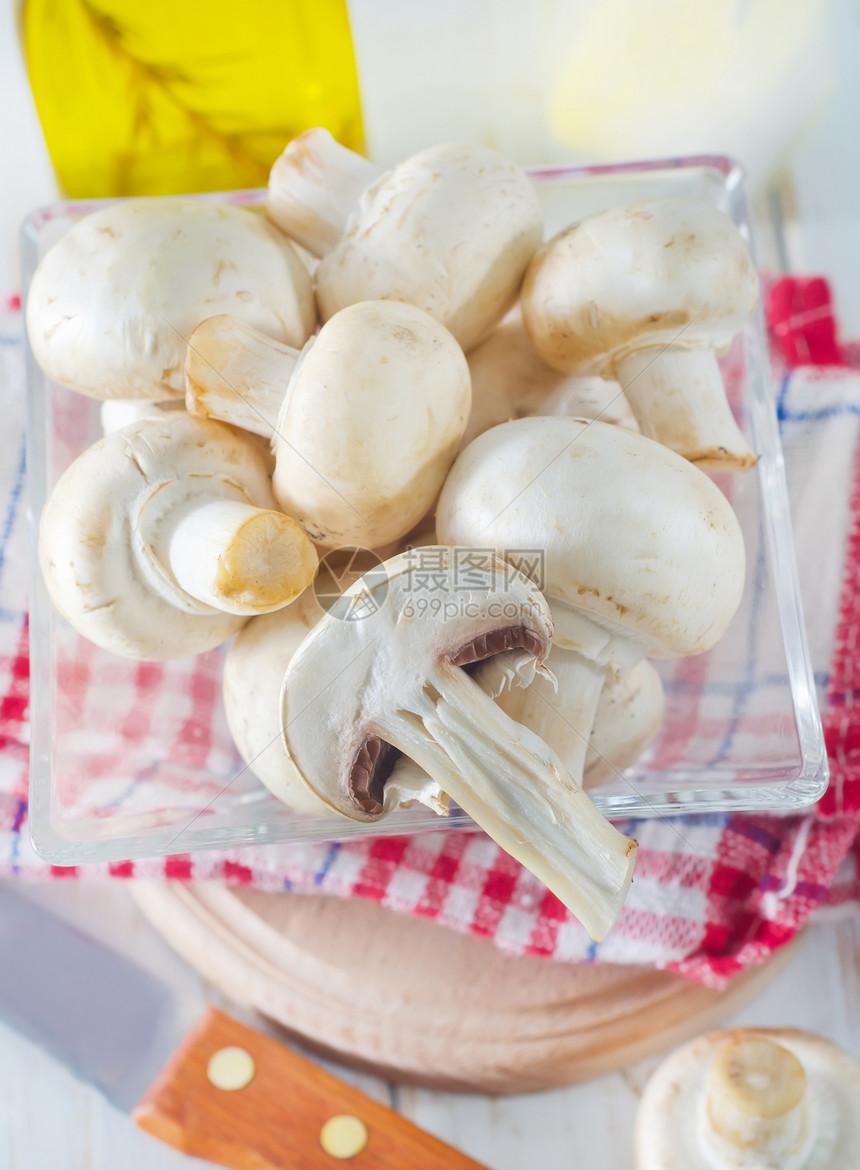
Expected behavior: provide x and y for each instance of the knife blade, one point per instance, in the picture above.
(121, 1029)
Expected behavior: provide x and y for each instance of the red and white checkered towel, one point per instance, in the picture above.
(712, 895)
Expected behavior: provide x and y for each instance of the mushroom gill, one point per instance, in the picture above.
(375, 759)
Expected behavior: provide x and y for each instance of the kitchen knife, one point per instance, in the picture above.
(224, 1091)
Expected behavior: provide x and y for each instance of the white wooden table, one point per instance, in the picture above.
(48, 1121)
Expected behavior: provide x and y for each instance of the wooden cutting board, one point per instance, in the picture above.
(412, 1001)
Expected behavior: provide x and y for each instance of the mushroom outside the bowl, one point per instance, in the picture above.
(751, 1099)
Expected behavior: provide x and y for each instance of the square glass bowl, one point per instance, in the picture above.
(132, 759)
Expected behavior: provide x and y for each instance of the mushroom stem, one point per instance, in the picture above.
(678, 398)
(238, 558)
(116, 413)
(563, 715)
(314, 186)
(238, 375)
(628, 720)
(755, 1110)
(516, 789)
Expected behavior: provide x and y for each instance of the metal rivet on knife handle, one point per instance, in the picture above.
(231, 1068)
(343, 1136)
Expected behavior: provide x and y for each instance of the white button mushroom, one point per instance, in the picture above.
(162, 538)
(627, 719)
(638, 552)
(450, 230)
(253, 673)
(365, 422)
(113, 302)
(648, 294)
(751, 1099)
(382, 674)
(509, 380)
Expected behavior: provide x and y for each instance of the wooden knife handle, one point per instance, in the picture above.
(275, 1121)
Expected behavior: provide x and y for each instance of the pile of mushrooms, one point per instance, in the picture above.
(642, 553)
(560, 452)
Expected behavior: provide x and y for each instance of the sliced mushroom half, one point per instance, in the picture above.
(387, 672)
(627, 719)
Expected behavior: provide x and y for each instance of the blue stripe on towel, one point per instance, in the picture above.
(12, 506)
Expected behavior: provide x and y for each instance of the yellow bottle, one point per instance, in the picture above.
(161, 96)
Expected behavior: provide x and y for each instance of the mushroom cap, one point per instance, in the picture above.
(113, 302)
(668, 1120)
(450, 230)
(377, 647)
(627, 721)
(371, 423)
(631, 532)
(253, 672)
(509, 380)
(96, 568)
(662, 272)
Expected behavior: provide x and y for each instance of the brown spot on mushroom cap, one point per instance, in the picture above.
(375, 759)
(668, 319)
